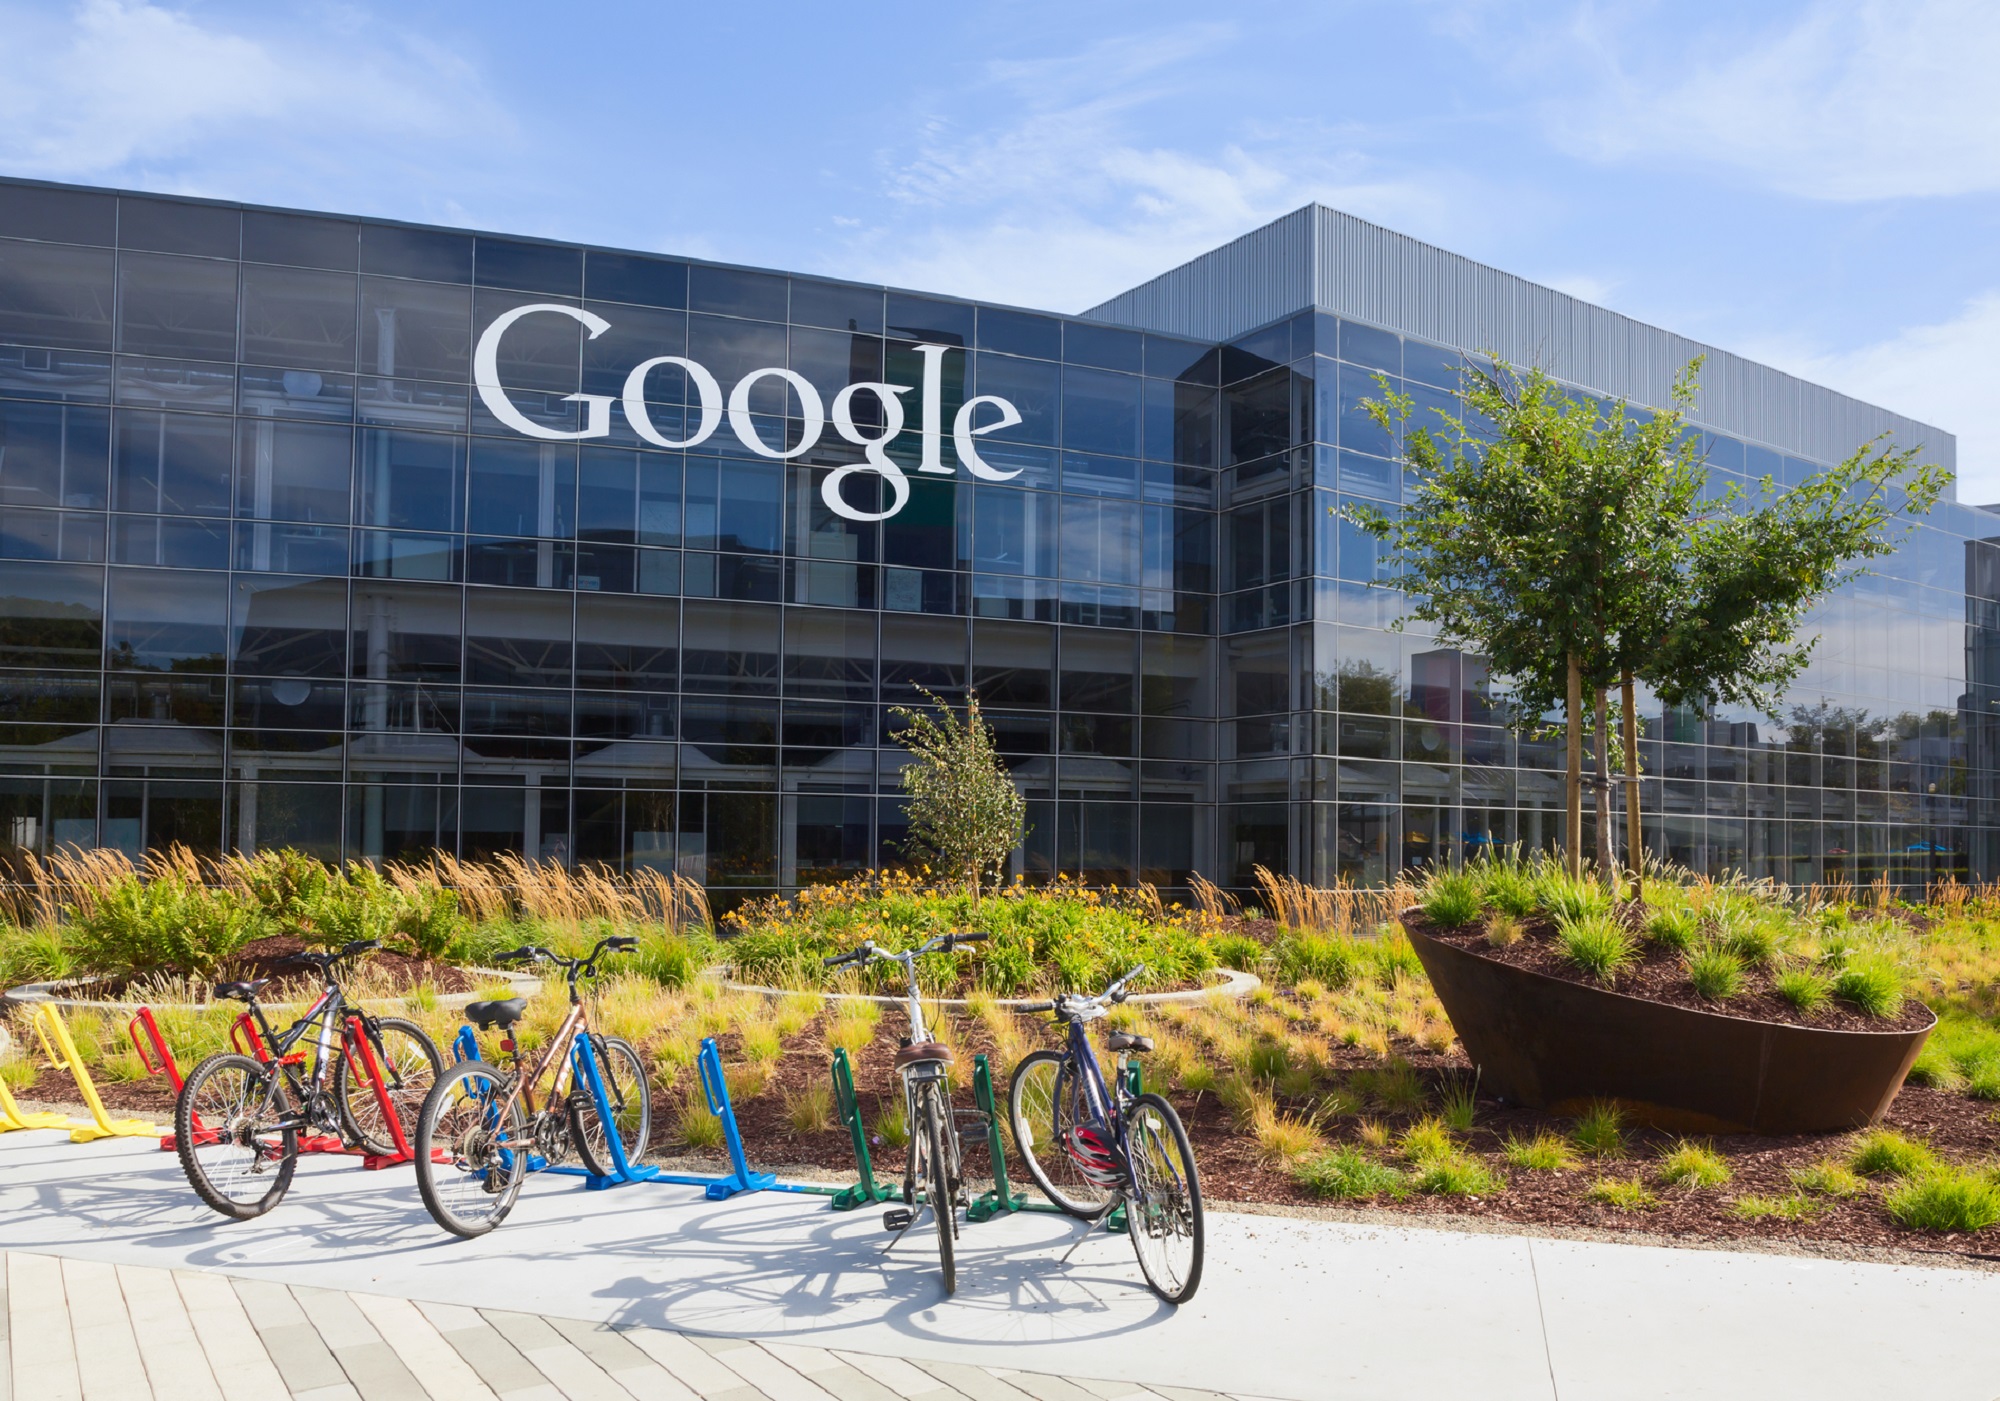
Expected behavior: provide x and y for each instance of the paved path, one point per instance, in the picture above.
(784, 1299)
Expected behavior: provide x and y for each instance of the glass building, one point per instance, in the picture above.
(368, 539)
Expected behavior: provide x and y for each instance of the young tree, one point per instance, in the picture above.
(965, 812)
(1579, 545)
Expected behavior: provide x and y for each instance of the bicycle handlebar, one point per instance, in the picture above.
(325, 961)
(866, 950)
(1071, 1003)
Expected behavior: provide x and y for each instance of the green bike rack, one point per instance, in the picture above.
(1003, 1198)
(867, 1190)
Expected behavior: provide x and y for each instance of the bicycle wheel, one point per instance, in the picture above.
(1163, 1214)
(1042, 1101)
(631, 1100)
(475, 1122)
(410, 1066)
(937, 1183)
(239, 1161)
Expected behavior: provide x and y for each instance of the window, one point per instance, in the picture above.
(406, 632)
(294, 317)
(55, 296)
(282, 625)
(627, 643)
(51, 615)
(293, 471)
(176, 306)
(167, 620)
(172, 464)
(53, 455)
(415, 329)
(518, 637)
(412, 481)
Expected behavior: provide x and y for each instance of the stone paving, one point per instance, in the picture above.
(79, 1330)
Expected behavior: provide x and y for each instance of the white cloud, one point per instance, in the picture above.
(127, 90)
(1854, 100)
(1940, 374)
(1060, 204)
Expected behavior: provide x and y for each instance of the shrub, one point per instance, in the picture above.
(1455, 1174)
(1545, 1152)
(1884, 1152)
(1459, 1106)
(1450, 899)
(1238, 951)
(427, 923)
(1872, 984)
(699, 1128)
(171, 922)
(1326, 959)
(1600, 1130)
(673, 960)
(1804, 989)
(1623, 1193)
(1717, 974)
(1561, 898)
(1346, 1173)
(1427, 1138)
(1674, 929)
(1596, 943)
(1506, 887)
(1827, 1178)
(1944, 1199)
(1690, 1164)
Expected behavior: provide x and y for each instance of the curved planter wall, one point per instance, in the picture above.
(1554, 1045)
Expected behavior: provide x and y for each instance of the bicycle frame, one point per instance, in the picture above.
(1106, 1106)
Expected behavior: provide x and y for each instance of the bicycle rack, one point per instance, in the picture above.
(245, 1039)
(62, 1054)
(623, 1170)
(369, 1066)
(848, 1106)
(159, 1060)
(13, 1117)
(1002, 1199)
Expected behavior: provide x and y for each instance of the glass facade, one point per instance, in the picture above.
(273, 571)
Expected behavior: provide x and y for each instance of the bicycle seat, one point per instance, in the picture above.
(502, 1013)
(241, 992)
(922, 1051)
(1126, 1041)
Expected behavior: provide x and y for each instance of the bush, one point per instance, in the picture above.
(1324, 958)
(1674, 929)
(1595, 943)
(1505, 886)
(673, 960)
(1717, 974)
(1806, 990)
(1693, 1165)
(1238, 951)
(171, 923)
(1450, 899)
(1944, 1199)
(1600, 1131)
(1346, 1173)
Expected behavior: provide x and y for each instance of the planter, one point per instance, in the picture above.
(1555, 1045)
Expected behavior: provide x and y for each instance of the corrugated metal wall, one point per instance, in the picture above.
(1321, 257)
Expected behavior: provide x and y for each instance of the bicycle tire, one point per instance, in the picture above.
(411, 1064)
(472, 1191)
(228, 1161)
(624, 1074)
(937, 1123)
(1163, 1215)
(1040, 1111)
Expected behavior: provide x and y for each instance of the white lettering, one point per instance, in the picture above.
(810, 408)
(933, 409)
(486, 377)
(962, 434)
(641, 418)
(873, 449)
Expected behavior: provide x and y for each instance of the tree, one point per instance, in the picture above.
(1579, 545)
(965, 812)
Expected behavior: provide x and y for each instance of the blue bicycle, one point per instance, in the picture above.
(1092, 1147)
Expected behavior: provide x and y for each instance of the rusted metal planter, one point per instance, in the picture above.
(1555, 1045)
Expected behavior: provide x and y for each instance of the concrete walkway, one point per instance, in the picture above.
(799, 1302)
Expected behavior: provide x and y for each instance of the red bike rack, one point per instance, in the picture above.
(358, 1036)
(158, 1058)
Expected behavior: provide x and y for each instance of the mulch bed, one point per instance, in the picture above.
(1659, 975)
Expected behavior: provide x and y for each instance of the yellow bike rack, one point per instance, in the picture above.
(62, 1054)
(13, 1117)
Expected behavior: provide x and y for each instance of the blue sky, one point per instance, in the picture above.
(1813, 185)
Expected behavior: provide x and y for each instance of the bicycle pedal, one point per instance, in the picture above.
(897, 1218)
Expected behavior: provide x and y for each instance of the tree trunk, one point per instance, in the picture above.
(1635, 837)
(1607, 859)
(1573, 769)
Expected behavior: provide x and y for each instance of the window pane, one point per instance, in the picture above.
(55, 296)
(544, 351)
(53, 455)
(730, 647)
(627, 643)
(300, 240)
(51, 615)
(830, 654)
(522, 488)
(1098, 670)
(292, 317)
(518, 637)
(289, 626)
(413, 481)
(61, 216)
(170, 226)
(629, 277)
(416, 330)
(1101, 541)
(405, 632)
(1100, 412)
(531, 267)
(926, 652)
(172, 464)
(1014, 532)
(165, 620)
(427, 253)
(1013, 663)
(176, 306)
(293, 471)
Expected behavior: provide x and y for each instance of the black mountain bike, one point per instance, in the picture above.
(239, 1117)
(1093, 1147)
(932, 1176)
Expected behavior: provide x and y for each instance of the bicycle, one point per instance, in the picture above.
(932, 1175)
(239, 1114)
(1093, 1147)
(480, 1131)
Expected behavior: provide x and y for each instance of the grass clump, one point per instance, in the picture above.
(1346, 1173)
(1503, 930)
(1827, 1178)
(1505, 887)
(1597, 944)
(1545, 1152)
(1717, 974)
(1455, 1174)
(892, 1129)
(1427, 1138)
(1323, 958)
(1806, 990)
(1282, 1138)
(1674, 929)
(1689, 1164)
(1450, 899)
(1944, 1198)
(1600, 1130)
(1459, 1107)
(1568, 901)
(810, 1109)
(1622, 1194)
(1871, 985)
(1886, 1153)
(699, 1128)
(1793, 1207)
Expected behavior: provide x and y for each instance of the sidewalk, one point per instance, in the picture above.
(799, 1302)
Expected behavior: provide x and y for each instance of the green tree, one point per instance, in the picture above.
(965, 813)
(1578, 545)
